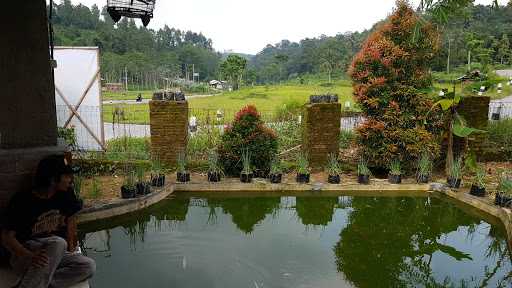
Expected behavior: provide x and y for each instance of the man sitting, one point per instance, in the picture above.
(40, 230)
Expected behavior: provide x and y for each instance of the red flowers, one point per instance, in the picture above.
(249, 110)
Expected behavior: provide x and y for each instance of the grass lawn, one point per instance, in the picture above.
(272, 97)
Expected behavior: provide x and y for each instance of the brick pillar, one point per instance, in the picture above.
(321, 130)
(475, 110)
(169, 129)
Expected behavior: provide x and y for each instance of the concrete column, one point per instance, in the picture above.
(27, 113)
(28, 124)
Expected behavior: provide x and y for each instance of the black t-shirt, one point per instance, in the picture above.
(33, 217)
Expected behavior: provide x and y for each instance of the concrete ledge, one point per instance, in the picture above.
(482, 204)
(263, 186)
(124, 206)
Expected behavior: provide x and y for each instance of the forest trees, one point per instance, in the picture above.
(134, 52)
(387, 75)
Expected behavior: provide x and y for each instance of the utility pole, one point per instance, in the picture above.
(449, 53)
(193, 73)
(126, 78)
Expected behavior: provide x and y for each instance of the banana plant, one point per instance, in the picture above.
(456, 123)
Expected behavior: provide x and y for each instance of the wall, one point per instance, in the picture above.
(169, 129)
(321, 130)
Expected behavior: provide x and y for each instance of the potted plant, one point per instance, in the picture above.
(478, 186)
(214, 169)
(302, 169)
(395, 172)
(363, 172)
(455, 174)
(182, 175)
(157, 175)
(246, 174)
(129, 189)
(424, 169)
(504, 192)
(334, 169)
(276, 171)
(143, 187)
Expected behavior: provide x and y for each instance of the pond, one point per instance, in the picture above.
(308, 241)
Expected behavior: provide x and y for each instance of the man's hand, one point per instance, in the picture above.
(40, 258)
(37, 258)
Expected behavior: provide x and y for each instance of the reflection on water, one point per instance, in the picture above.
(299, 242)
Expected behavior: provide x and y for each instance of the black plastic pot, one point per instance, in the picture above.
(363, 179)
(276, 178)
(315, 99)
(214, 177)
(477, 191)
(395, 179)
(503, 200)
(260, 173)
(453, 183)
(422, 179)
(302, 178)
(143, 188)
(183, 177)
(246, 178)
(158, 180)
(128, 192)
(334, 179)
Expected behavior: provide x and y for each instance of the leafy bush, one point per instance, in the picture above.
(69, 135)
(388, 75)
(346, 139)
(126, 148)
(500, 134)
(201, 142)
(247, 132)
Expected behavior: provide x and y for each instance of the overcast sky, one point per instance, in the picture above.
(246, 26)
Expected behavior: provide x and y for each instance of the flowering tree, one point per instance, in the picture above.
(388, 75)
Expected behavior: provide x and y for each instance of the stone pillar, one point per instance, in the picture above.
(321, 131)
(169, 129)
(28, 123)
(475, 110)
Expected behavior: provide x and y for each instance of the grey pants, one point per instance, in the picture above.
(65, 269)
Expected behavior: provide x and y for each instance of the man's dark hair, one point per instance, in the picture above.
(51, 169)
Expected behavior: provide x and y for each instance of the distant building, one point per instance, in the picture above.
(219, 84)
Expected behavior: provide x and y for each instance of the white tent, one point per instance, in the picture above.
(78, 94)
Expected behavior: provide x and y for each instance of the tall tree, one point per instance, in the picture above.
(233, 69)
(388, 75)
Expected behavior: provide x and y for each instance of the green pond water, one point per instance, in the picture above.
(274, 241)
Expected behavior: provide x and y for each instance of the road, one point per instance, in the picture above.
(146, 101)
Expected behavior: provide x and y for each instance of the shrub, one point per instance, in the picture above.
(247, 132)
(128, 148)
(500, 134)
(388, 75)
